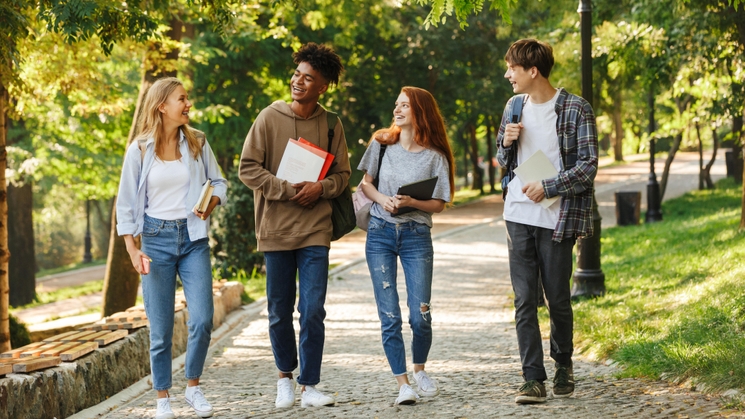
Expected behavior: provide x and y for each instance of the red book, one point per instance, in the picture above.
(326, 164)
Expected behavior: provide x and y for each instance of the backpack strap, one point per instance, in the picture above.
(518, 103)
(331, 119)
(380, 162)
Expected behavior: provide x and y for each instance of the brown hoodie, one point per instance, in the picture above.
(282, 224)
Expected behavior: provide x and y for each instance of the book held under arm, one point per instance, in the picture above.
(535, 169)
(303, 162)
(204, 197)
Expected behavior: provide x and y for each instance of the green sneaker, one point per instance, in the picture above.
(531, 392)
(563, 380)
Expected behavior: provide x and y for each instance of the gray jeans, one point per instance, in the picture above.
(535, 259)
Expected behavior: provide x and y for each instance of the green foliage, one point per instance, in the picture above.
(234, 232)
(19, 335)
(463, 9)
(110, 22)
(675, 296)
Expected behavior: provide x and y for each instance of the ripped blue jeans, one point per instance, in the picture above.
(412, 243)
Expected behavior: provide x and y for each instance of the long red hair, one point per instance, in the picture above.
(429, 128)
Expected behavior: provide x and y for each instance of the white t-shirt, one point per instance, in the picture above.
(167, 187)
(538, 133)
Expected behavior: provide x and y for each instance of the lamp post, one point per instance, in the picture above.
(654, 213)
(588, 279)
(87, 257)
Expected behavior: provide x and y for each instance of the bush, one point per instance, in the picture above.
(234, 232)
(18, 333)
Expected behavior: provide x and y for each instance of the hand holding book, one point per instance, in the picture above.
(203, 203)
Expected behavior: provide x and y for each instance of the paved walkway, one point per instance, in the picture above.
(474, 354)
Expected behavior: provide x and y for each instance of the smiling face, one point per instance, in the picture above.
(307, 84)
(175, 110)
(402, 114)
(520, 78)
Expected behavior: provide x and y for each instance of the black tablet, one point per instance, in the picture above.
(421, 190)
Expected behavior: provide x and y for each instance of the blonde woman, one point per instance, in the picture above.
(164, 170)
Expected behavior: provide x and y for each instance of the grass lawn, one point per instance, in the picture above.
(675, 301)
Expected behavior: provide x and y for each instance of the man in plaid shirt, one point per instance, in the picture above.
(540, 240)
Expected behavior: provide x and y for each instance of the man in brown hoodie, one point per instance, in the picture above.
(293, 221)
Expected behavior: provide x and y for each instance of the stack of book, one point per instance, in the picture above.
(304, 162)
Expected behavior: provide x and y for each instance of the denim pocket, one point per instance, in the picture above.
(422, 230)
(375, 224)
(150, 229)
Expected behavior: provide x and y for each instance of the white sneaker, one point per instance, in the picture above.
(406, 395)
(195, 398)
(426, 386)
(285, 393)
(164, 409)
(314, 398)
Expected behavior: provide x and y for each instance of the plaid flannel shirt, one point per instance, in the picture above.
(578, 143)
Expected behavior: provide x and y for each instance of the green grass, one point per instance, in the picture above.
(62, 294)
(675, 301)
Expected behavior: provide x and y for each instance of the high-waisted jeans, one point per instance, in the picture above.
(412, 243)
(167, 243)
(309, 266)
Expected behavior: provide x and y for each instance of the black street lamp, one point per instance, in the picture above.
(588, 279)
(654, 213)
(87, 257)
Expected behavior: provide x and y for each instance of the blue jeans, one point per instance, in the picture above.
(310, 267)
(534, 257)
(167, 244)
(412, 243)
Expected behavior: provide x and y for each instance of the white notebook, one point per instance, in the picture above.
(537, 168)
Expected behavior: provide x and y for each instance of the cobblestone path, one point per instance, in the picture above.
(474, 356)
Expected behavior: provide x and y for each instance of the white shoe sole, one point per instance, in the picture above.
(529, 400)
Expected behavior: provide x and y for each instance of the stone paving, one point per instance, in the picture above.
(474, 356)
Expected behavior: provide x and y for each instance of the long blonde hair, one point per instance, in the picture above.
(151, 121)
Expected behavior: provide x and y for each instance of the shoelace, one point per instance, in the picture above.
(199, 401)
(164, 405)
(425, 381)
(529, 386)
(562, 376)
(287, 391)
(312, 393)
(407, 389)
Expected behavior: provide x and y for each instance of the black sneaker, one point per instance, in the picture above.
(531, 392)
(563, 380)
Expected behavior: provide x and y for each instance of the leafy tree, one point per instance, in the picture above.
(109, 22)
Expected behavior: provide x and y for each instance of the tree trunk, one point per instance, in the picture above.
(707, 169)
(668, 162)
(491, 154)
(22, 266)
(121, 280)
(478, 171)
(700, 157)
(618, 126)
(4, 251)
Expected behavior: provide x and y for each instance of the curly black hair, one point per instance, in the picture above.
(322, 58)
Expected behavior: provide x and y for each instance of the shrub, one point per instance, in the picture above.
(19, 335)
(234, 232)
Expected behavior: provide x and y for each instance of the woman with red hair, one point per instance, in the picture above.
(416, 148)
